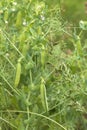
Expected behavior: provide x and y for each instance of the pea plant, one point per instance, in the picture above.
(43, 74)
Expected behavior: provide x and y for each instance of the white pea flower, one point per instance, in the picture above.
(6, 21)
(13, 9)
(14, 3)
(42, 17)
(24, 23)
(7, 54)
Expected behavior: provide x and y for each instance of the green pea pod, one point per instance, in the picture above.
(43, 96)
(79, 47)
(19, 19)
(6, 16)
(24, 49)
(43, 56)
(18, 74)
(22, 37)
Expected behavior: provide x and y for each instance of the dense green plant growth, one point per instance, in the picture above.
(43, 66)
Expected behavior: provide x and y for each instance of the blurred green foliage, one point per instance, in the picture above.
(43, 63)
(74, 11)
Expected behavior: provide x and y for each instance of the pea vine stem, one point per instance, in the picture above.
(37, 114)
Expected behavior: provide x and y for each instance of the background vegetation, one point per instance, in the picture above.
(43, 77)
